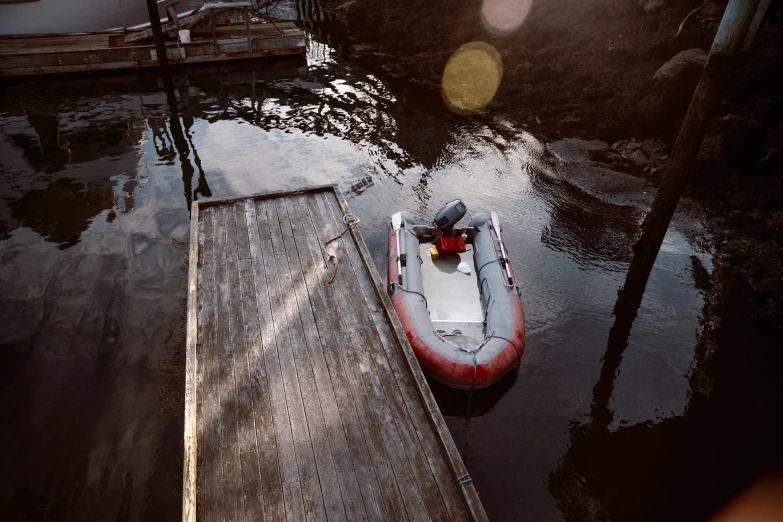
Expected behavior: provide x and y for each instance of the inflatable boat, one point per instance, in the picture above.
(455, 294)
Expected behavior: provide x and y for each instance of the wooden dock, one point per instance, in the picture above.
(93, 52)
(304, 400)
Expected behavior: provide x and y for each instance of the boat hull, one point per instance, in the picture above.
(504, 325)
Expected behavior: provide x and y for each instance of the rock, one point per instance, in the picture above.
(633, 146)
(685, 65)
(640, 158)
(651, 6)
(672, 87)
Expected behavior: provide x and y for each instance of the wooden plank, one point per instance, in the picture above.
(271, 486)
(229, 436)
(252, 499)
(316, 427)
(260, 196)
(305, 459)
(343, 464)
(201, 334)
(328, 324)
(438, 502)
(293, 500)
(228, 5)
(211, 472)
(470, 495)
(260, 243)
(190, 462)
(377, 393)
(171, 11)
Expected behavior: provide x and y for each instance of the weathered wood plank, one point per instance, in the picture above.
(380, 403)
(271, 485)
(348, 486)
(211, 202)
(374, 438)
(334, 339)
(261, 246)
(305, 459)
(190, 461)
(440, 506)
(211, 471)
(228, 427)
(327, 475)
(439, 430)
(295, 511)
(252, 499)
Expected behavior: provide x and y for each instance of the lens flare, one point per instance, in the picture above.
(471, 77)
(503, 16)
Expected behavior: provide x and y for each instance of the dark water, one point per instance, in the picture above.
(96, 179)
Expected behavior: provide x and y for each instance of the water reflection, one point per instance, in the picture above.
(55, 173)
(681, 467)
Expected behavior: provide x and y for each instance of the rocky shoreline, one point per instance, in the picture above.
(623, 72)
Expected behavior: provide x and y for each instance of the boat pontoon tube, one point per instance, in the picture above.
(504, 323)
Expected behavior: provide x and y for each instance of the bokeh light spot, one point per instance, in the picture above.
(503, 16)
(471, 77)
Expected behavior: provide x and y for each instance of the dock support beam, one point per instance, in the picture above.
(157, 35)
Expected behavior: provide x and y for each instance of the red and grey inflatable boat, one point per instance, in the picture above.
(456, 297)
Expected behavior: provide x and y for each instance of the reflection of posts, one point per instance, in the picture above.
(628, 301)
(183, 146)
(725, 47)
(47, 126)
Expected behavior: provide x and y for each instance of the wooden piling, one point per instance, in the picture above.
(725, 47)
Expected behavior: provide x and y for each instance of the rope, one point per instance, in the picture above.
(442, 337)
(508, 340)
(351, 221)
(464, 479)
(411, 292)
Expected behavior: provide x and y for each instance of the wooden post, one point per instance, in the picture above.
(725, 47)
(157, 35)
(755, 25)
(247, 28)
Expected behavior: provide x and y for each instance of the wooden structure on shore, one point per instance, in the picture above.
(82, 53)
(304, 400)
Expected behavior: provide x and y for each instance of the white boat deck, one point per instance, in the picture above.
(453, 298)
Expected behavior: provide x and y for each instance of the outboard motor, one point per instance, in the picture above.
(449, 215)
(448, 240)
